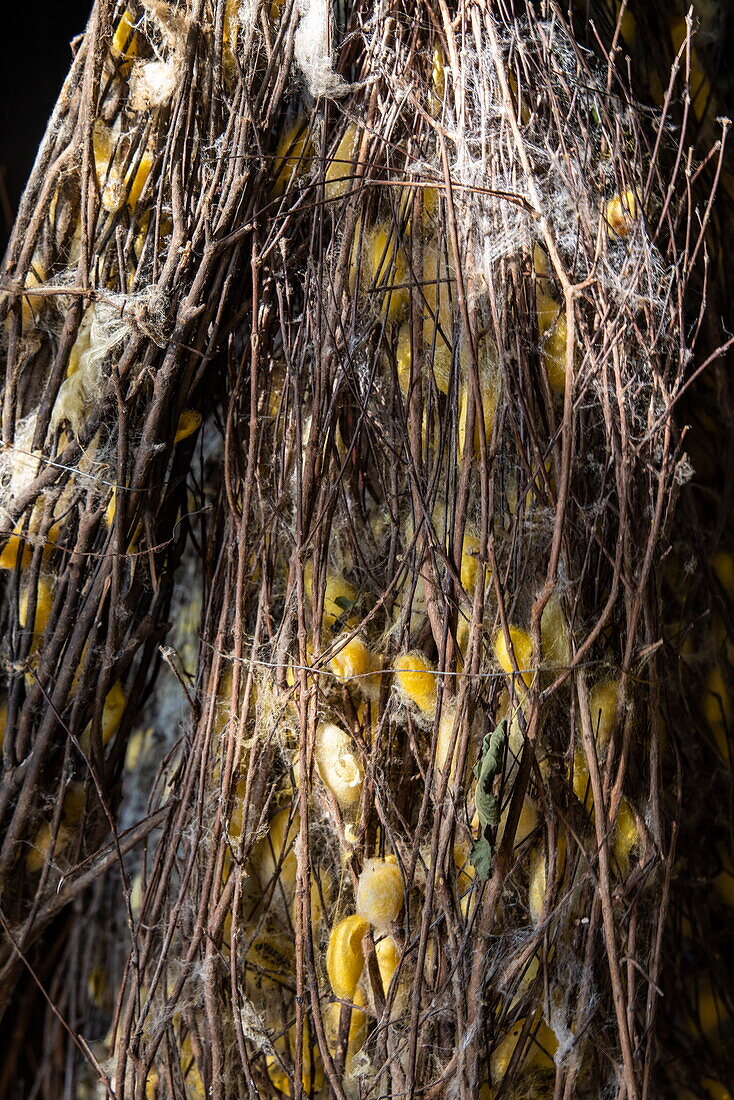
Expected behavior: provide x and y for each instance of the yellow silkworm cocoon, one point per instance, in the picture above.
(82, 342)
(416, 680)
(445, 739)
(429, 203)
(312, 1070)
(715, 1089)
(465, 870)
(554, 354)
(403, 358)
(32, 304)
(345, 955)
(388, 957)
(490, 388)
(16, 551)
(723, 565)
(554, 635)
(338, 763)
(357, 1027)
(44, 603)
(380, 892)
(526, 981)
(136, 896)
(124, 43)
(137, 177)
(717, 709)
(711, 1011)
(469, 563)
(116, 190)
(97, 986)
(188, 422)
(339, 598)
(626, 837)
(190, 1071)
(111, 509)
(436, 288)
(293, 156)
(620, 213)
(537, 886)
(526, 825)
(114, 706)
(548, 311)
(384, 266)
(41, 851)
(352, 658)
(437, 337)
(340, 168)
(581, 781)
(75, 800)
(541, 1046)
(627, 25)
(724, 881)
(438, 82)
(274, 854)
(151, 1085)
(603, 710)
(522, 647)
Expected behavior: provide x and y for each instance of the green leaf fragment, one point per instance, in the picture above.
(487, 803)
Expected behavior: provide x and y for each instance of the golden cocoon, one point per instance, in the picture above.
(380, 892)
(352, 658)
(447, 737)
(554, 636)
(539, 1050)
(44, 847)
(490, 389)
(293, 155)
(723, 565)
(603, 710)
(469, 563)
(416, 680)
(312, 1071)
(404, 358)
(339, 598)
(384, 267)
(537, 885)
(15, 551)
(188, 422)
(357, 1027)
(522, 647)
(345, 955)
(626, 837)
(526, 825)
(340, 168)
(114, 706)
(438, 82)
(620, 213)
(112, 712)
(274, 855)
(338, 763)
(44, 603)
(582, 782)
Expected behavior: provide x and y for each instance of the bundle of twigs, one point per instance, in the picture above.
(419, 835)
(121, 268)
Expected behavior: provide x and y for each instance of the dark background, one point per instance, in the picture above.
(35, 56)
